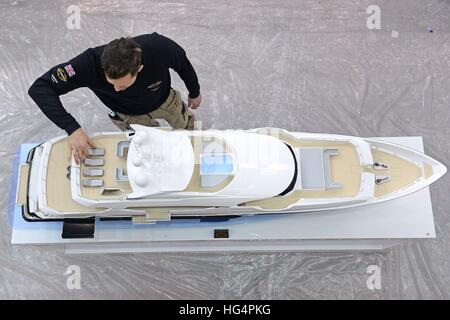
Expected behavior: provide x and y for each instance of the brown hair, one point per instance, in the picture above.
(121, 57)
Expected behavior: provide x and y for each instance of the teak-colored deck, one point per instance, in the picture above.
(345, 169)
(111, 162)
(59, 194)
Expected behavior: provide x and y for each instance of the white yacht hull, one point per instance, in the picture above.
(253, 187)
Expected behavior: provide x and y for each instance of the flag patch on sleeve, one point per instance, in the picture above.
(69, 70)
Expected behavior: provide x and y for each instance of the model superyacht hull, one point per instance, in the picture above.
(151, 174)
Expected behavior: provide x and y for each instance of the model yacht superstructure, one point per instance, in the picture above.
(154, 174)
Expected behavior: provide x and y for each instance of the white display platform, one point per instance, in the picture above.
(373, 227)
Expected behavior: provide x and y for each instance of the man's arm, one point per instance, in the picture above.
(45, 91)
(176, 59)
(65, 77)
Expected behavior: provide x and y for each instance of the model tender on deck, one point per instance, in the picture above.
(154, 174)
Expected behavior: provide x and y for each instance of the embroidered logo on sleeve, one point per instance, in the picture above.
(54, 78)
(61, 74)
(70, 70)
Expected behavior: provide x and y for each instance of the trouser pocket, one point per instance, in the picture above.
(124, 121)
(175, 112)
(117, 120)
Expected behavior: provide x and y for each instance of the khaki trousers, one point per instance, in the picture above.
(173, 110)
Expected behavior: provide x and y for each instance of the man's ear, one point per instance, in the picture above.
(141, 67)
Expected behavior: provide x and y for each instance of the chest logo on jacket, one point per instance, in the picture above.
(154, 86)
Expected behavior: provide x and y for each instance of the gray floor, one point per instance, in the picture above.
(300, 65)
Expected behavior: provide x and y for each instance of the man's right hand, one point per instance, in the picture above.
(78, 144)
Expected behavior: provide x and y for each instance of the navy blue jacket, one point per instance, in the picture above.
(150, 90)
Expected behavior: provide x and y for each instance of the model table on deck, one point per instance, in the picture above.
(372, 227)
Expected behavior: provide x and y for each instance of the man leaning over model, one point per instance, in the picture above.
(131, 77)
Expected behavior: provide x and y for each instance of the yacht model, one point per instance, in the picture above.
(156, 174)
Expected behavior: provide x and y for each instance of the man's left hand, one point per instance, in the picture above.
(194, 103)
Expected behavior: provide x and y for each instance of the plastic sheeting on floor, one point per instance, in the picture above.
(301, 65)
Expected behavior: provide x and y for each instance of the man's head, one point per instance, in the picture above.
(121, 61)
